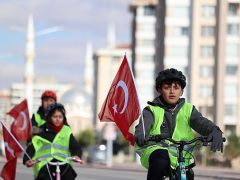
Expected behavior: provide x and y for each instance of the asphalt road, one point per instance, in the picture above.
(124, 173)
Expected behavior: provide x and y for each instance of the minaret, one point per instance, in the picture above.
(29, 66)
(111, 37)
(88, 74)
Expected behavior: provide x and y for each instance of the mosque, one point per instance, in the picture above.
(77, 101)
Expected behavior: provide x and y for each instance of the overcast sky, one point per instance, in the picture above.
(60, 54)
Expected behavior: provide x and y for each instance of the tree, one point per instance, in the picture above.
(232, 149)
(86, 138)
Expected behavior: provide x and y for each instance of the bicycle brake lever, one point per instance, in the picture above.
(78, 160)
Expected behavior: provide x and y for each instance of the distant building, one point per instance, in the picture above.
(143, 47)
(5, 105)
(17, 91)
(201, 38)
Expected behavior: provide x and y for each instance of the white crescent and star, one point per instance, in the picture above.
(123, 85)
(24, 121)
(9, 149)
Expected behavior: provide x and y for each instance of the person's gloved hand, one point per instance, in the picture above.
(36, 130)
(217, 140)
(140, 140)
(30, 162)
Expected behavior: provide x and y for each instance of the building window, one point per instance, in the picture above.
(146, 42)
(233, 29)
(231, 110)
(206, 71)
(180, 51)
(207, 30)
(231, 70)
(179, 31)
(232, 50)
(149, 11)
(230, 90)
(147, 58)
(207, 51)
(178, 11)
(233, 8)
(146, 27)
(206, 111)
(205, 91)
(208, 10)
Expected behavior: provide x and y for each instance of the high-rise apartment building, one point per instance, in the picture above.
(214, 62)
(143, 47)
(199, 37)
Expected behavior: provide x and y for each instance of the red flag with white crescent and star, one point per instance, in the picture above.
(12, 151)
(121, 104)
(9, 169)
(21, 126)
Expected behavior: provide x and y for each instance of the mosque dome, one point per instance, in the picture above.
(76, 96)
(78, 105)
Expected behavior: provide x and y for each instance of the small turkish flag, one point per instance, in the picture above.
(121, 104)
(12, 148)
(21, 126)
(9, 169)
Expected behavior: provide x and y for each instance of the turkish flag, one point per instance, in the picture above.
(9, 169)
(21, 126)
(121, 104)
(12, 148)
(12, 151)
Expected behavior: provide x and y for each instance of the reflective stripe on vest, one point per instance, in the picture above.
(39, 120)
(182, 131)
(58, 149)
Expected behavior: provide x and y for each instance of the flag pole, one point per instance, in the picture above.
(16, 141)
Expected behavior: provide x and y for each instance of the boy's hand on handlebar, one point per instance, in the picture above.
(77, 159)
(30, 162)
(217, 140)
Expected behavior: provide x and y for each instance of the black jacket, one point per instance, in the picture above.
(197, 122)
(67, 171)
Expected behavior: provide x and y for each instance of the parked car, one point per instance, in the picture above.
(97, 154)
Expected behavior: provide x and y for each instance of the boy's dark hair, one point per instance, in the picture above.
(170, 75)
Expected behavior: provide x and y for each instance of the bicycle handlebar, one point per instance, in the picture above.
(159, 138)
(58, 163)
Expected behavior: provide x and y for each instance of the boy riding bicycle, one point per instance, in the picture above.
(55, 143)
(172, 117)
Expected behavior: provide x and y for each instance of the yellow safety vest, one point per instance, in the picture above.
(182, 131)
(39, 120)
(58, 148)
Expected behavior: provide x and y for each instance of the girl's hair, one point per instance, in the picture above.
(52, 108)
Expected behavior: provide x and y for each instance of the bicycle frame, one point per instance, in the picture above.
(180, 146)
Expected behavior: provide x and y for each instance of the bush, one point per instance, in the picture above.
(86, 138)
